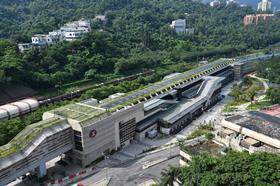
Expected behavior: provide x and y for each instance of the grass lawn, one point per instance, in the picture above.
(259, 105)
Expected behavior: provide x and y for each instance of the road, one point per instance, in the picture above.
(131, 173)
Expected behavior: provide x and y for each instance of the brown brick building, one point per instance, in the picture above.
(255, 19)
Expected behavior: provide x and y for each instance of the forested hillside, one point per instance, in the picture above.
(137, 36)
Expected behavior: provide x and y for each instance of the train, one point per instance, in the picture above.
(18, 108)
(27, 105)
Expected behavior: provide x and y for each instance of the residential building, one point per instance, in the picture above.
(256, 19)
(40, 39)
(264, 6)
(73, 34)
(231, 2)
(102, 18)
(69, 32)
(215, 3)
(190, 31)
(75, 30)
(243, 5)
(179, 26)
(23, 47)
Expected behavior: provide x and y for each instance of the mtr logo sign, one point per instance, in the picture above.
(92, 133)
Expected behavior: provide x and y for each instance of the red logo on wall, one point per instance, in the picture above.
(93, 133)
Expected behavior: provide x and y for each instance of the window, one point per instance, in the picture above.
(78, 140)
(78, 143)
(80, 148)
(78, 133)
(127, 130)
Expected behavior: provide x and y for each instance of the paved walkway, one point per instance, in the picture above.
(244, 106)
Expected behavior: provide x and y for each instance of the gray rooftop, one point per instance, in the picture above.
(164, 83)
(258, 122)
(187, 105)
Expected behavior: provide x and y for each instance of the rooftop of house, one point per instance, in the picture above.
(258, 122)
(272, 110)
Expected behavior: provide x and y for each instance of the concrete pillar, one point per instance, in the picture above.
(42, 170)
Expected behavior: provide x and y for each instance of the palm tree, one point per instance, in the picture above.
(169, 175)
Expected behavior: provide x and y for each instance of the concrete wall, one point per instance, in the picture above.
(142, 135)
(107, 137)
(258, 136)
(50, 144)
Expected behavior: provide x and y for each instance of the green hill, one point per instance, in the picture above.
(137, 36)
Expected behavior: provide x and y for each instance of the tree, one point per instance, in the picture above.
(251, 92)
(274, 95)
(209, 136)
(234, 168)
(90, 74)
(169, 175)
(236, 92)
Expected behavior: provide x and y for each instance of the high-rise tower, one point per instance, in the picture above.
(264, 5)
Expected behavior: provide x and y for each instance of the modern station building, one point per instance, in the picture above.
(90, 129)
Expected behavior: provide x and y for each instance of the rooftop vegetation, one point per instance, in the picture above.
(78, 112)
(21, 140)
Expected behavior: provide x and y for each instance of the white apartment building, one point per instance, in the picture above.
(23, 47)
(45, 39)
(264, 5)
(215, 3)
(232, 2)
(69, 32)
(75, 30)
(73, 34)
(179, 26)
(39, 39)
(190, 31)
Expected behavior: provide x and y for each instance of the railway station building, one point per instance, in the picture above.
(90, 129)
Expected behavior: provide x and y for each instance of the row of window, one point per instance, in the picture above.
(127, 130)
(78, 140)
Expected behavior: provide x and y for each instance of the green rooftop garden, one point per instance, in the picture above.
(83, 113)
(164, 89)
(20, 141)
(78, 112)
